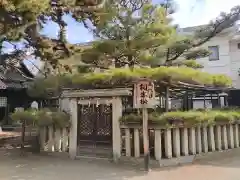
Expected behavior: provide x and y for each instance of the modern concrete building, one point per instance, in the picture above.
(224, 59)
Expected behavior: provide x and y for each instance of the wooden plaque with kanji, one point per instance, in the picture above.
(144, 94)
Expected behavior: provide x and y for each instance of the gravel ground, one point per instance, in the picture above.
(45, 167)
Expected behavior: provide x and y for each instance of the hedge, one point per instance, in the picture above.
(179, 118)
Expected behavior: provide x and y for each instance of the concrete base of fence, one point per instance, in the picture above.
(217, 154)
(176, 161)
(139, 162)
(59, 155)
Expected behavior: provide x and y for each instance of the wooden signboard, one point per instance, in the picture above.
(144, 98)
(144, 94)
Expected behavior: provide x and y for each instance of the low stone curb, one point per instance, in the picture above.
(176, 161)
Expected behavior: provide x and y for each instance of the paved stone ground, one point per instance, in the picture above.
(223, 166)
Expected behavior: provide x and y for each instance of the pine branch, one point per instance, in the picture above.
(221, 23)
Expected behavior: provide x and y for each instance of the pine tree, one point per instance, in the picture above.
(23, 20)
(138, 32)
(135, 27)
(16, 16)
(141, 33)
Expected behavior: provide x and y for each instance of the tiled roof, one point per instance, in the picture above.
(14, 85)
(11, 79)
(11, 85)
(2, 77)
(14, 76)
(2, 85)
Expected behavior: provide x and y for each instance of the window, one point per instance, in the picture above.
(238, 45)
(214, 53)
(3, 102)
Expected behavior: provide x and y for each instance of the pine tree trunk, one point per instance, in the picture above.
(36, 143)
(131, 62)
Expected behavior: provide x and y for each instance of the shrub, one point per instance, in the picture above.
(181, 118)
(60, 119)
(131, 118)
(43, 117)
(27, 116)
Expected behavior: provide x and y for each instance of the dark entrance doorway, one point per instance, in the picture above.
(95, 130)
(234, 98)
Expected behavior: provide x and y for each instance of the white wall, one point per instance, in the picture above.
(235, 62)
(229, 54)
(229, 58)
(199, 104)
(65, 105)
(221, 66)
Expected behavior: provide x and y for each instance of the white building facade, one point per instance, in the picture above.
(225, 57)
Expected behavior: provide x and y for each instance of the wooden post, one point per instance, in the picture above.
(145, 138)
(205, 139)
(73, 129)
(184, 140)
(192, 141)
(158, 144)
(199, 140)
(168, 143)
(224, 137)
(218, 138)
(50, 139)
(167, 99)
(219, 100)
(204, 102)
(128, 142)
(225, 101)
(42, 138)
(144, 93)
(136, 143)
(176, 142)
(187, 103)
(116, 137)
(23, 135)
(236, 136)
